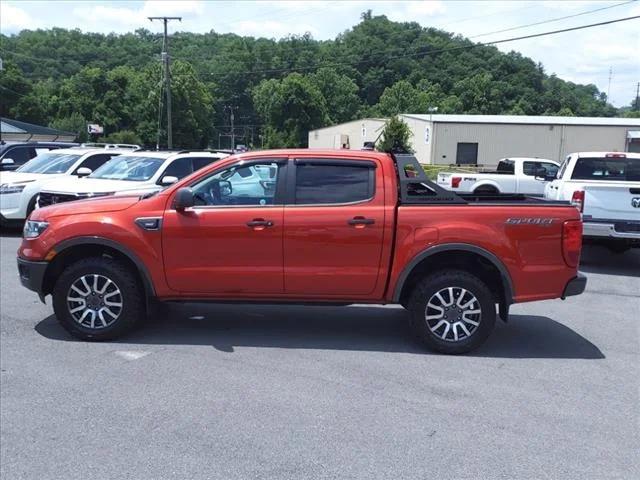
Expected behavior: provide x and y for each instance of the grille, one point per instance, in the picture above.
(48, 198)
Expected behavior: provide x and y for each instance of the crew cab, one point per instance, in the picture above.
(513, 175)
(138, 172)
(19, 189)
(304, 226)
(605, 186)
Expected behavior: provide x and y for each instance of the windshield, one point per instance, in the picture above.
(134, 169)
(50, 162)
(607, 168)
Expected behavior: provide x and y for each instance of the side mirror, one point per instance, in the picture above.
(541, 174)
(7, 161)
(83, 172)
(225, 188)
(183, 199)
(168, 180)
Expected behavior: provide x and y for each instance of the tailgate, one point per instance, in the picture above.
(619, 202)
(444, 179)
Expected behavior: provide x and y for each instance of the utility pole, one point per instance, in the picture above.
(167, 78)
(232, 118)
(609, 87)
(638, 97)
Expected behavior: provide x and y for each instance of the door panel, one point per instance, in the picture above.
(230, 242)
(334, 249)
(214, 251)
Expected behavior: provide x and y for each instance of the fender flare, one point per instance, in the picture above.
(142, 269)
(448, 247)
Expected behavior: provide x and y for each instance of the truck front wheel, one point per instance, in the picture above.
(98, 298)
(452, 311)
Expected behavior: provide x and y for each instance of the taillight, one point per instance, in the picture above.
(577, 199)
(615, 155)
(455, 182)
(572, 242)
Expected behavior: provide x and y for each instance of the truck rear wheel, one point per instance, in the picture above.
(452, 311)
(98, 298)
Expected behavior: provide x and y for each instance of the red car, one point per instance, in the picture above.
(304, 226)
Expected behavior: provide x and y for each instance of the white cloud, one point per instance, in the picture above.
(412, 11)
(13, 19)
(272, 29)
(107, 18)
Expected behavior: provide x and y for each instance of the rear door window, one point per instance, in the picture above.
(606, 168)
(332, 183)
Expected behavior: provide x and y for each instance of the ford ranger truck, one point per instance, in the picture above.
(309, 227)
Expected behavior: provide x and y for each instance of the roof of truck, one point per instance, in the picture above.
(313, 152)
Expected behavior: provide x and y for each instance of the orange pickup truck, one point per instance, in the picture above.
(304, 226)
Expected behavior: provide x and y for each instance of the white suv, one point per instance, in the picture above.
(132, 173)
(19, 189)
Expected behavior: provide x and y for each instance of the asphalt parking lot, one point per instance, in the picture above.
(307, 392)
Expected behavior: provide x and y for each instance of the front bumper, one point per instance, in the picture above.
(32, 275)
(575, 286)
(623, 230)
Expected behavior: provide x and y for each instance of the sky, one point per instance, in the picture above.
(607, 56)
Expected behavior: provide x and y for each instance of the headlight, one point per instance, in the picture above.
(8, 188)
(33, 229)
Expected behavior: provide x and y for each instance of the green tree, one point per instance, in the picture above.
(290, 108)
(395, 136)
(123, 136)
(75, 122)
(13, 86)
(340, 94)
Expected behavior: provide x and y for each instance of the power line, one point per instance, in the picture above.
(551, 20)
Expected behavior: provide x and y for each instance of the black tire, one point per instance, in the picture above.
(31, 206)
(486, 191)
(436, 282)
(131, 296)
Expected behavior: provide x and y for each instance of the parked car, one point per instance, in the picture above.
(19, 190)
(134, 172)
(513, 175)
(317, 226)
(605, 186)
(15, 154)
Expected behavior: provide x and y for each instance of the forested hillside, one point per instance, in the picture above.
(278, 90)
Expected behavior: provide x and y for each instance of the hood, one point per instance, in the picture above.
(20, 177)
(93, 205)
(94, 185)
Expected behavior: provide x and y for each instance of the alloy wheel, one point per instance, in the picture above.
(453, 314)
(94, 301)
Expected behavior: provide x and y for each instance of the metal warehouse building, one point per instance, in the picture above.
(484, 139)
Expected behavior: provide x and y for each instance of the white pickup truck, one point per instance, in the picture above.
(513, 175)
(605, 186)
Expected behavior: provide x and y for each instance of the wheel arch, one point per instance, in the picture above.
(70, 250)
(479, 261)
(486, 184)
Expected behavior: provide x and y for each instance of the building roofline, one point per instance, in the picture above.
(526, 120)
